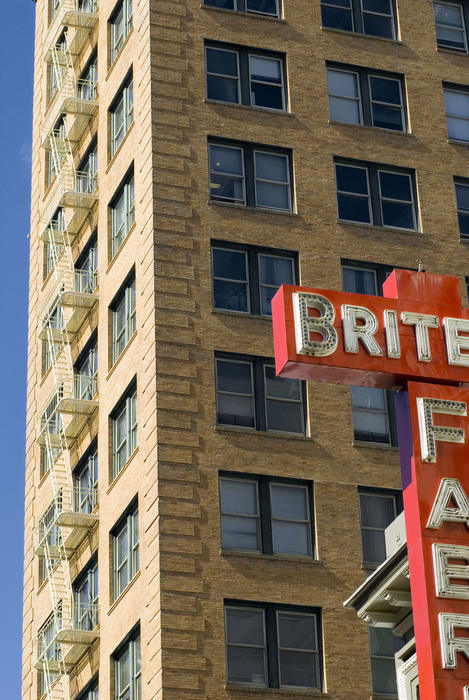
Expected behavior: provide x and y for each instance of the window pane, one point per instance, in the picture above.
(222, 62)
(395, 186)
(463, 224)
(268, 69)
(246, 665)
(235, 410)
(385, 117)
(449, 22)
(281, 388)
(365, 397)
(347, 111)
(226, 173)
(383, 672)
(337, 17)
(457, 103)
(374, 546)
(271, 167)
(272, 196)
(231, 296)
(376, 511)
(268, 7)
(383, 642)
(240, 533)
(374, 25)
(458, 129)
(350, 179)
(398, 215)
(342, 83)
(296, 631)
(234, 377)
(245, 626)
(290, 538)
(450, 15)
(238, 497)
(230, 264)
(222, 89)
(383, 6)
(289, 502)
(462, 196)
(226, 4)
(299, 669)
(284, 417)
(359, 281)
(226, 160)
(277, 271)
(353, 208)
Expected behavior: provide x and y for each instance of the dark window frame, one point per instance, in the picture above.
(378, 492)
(241, 7)
(358, 24)
(461, 182)
(271, 639)
(374, 194)
(461, 89)
(263, 482)
(124, 189)
(364, 74)
(259, 394)
(244, 74)
(123, 404)
(253, 281)
(89, 688)
(126, 519)
(121, 95)
(115, 47)
(131, 638)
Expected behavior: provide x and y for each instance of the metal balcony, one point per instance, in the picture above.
(79, 100)
(80, 15)
(74, 298)
(66, 522)
(68, 410)
(78, 189)
(67, 638)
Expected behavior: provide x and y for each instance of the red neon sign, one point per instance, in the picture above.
(419, 331)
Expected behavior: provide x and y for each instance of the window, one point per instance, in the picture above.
(251, 176)
(272, 516)
(363, 96)
(457, 113)
(86, 372)
(377, 510)
(246, 278)
(462, 199)
(53, 247)
(122, 214)
(49, 650)
(91, 692)
(86, 481)
(262, 7)
(87, 86)
(85, 598)
(378, 195)
(54, 7)
(123, 318)
(250, 395)
(122, 114)
(244, 76)
(272, 645)
(451, 20)
(43, 570)
(86, 268)
(372, 409)
(120, 26)
(87, 171)
(128, 669)
(383, 645)
(45, 458)
(372, 17)
(124, 431)
(126, 560)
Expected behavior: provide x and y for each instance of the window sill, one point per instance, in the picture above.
(363, 36)
(451, 52)
(243, 207)
(456, 142)
(131, 230)
(245, 314)
(124, 592)
(381, 229)
(265, 433)
(117, 362)
(114, 157)
(270, 557)
(257, 15)
(249, 108)
(375, 445)
(124, 469)
(246, 688)
(112, 66)
(374, 129)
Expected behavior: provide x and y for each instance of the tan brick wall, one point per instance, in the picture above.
(178, 597)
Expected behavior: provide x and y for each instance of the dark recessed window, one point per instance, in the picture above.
(374, 194)
(124, 430)
(121, 114)
(120, 25)
(122, 210)
(245, 76)
(451, 22)
(457, 113)
(85, 597)
(261, 7)
(462, 199)
(85, 479)
(372, 17)
(126, 550)
(378, 508)
(273, 646)
(250, 395)
(246, 278)
(128, 668)
(255, 176)
(262, 514)
(373, 412)
(383, 645)
(363, 96)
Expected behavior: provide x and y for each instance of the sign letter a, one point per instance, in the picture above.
(449, 490)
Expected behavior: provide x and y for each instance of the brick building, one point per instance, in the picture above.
(188, 158)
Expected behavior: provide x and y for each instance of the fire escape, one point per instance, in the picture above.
(74, 400)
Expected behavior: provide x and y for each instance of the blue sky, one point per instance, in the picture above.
(16, 71)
